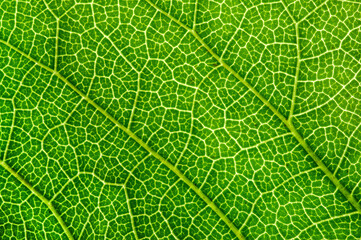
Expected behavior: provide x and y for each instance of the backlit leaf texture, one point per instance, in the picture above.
(180, 119)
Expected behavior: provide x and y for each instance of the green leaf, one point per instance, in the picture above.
(160, 119)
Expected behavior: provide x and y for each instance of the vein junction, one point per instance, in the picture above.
(288, 123)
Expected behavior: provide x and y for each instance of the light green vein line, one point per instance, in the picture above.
(288, 12)
(298, 62)
(10, 133)
(27, 56)
(49, 9)
(346, 1)
(174, 169)
(289, 124)
(130, 210)
(169, 16)
(40, 196)
(56, 45)
(156, 155)
(135, 102)
(56, 34)
(325, 220)
(195, 15)
(294, 94)
(324, 168)
(314, 10)
(293, 177)
(31, 188)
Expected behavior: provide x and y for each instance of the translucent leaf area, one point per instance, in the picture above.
(180, 119)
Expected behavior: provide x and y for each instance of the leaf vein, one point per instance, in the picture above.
(174, 169)
(288, 124)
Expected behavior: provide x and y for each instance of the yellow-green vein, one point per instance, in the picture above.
(40, 196)
(174, 169)
(28, 185)
(289, 124)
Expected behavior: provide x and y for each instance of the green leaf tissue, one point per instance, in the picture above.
(180, 119)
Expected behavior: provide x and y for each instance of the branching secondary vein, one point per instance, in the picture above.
(174, 169)
(289, 124)
(40, 196)
(27, 184)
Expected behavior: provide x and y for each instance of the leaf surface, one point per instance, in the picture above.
(180, 119)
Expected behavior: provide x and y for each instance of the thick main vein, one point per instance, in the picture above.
(288, 123)
(46, 201)
(40, 196)
(174, 169)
